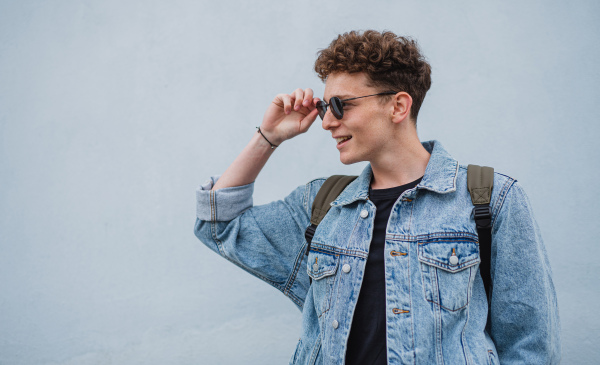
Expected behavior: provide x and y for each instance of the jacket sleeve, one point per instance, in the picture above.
(267, 240)
(524, 312)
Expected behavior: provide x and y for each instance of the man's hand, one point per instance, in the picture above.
(289, 115)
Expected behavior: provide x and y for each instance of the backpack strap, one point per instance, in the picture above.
(480, 182)
(330, 190)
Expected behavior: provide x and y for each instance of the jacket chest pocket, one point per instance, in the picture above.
(321, 268)
(448, 267)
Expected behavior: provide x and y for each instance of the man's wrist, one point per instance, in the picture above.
(259, 143)
(268, 140)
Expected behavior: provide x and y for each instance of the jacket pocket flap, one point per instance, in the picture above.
(321, 264)
(449, 255)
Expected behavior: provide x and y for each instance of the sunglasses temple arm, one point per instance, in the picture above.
(366, 96)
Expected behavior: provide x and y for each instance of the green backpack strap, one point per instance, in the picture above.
(480, 182)
(330, 190)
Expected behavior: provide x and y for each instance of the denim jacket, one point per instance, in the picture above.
(437, 308)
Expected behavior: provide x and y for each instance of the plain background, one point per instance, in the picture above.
(112, 112)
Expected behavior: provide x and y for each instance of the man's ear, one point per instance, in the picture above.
(402, 102)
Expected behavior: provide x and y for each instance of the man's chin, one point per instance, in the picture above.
(347, 160)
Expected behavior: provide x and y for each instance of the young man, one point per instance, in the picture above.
(392, 274)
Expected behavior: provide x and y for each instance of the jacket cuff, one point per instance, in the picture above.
(222, 205)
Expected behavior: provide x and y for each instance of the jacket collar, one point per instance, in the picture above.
(440, 176)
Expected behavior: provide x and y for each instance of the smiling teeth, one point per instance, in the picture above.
(342, 139)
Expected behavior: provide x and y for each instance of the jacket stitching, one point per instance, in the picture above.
(464, 343)
(412, 209)
(305, 198)
(335, 289)
(447, 239)
(434, 237)
(412, 324)
(315, 351)
(446, 308)
(438, 317)
(336, 251)
(213, 223)
(444, 265)
(295, 270)
(497, 207)
(299, 258)
(501, 198)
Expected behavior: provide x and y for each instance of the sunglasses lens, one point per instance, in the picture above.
(337, 108)
(322, 108)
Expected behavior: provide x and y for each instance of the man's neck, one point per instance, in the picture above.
(400, 165)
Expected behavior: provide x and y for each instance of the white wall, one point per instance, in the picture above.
(111, 112)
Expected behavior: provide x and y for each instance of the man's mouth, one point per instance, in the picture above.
(342, 139)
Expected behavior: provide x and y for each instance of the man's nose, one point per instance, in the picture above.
(329, 121)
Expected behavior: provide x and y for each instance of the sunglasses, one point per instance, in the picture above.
(337, 105)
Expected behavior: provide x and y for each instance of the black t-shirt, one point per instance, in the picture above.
(367, 340)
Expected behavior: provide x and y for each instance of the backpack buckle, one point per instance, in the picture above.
(308, 235)
(483, 216)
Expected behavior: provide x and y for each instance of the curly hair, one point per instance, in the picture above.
(392, 63)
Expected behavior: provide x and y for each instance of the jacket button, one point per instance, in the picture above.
(335, 324)
(453, 260)
(364, 213)
(316, 267)
(346, 268)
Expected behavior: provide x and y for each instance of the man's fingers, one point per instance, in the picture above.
(308, 120)
(299, 100)
(313, 103)
(308, 95)
(287, 103)
(298, 96)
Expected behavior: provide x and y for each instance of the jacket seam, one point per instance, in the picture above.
(433, 236)
(335, 288)
(438, 317)
(446, 308)
(287, 290)
(336, 251)
(497, 208)
(465, 345)
(316, 349)
(412, 312)
(412, 208)
(306, 198)
(442, 265)
(501, 198)
(294, 273)
(213, 223)
(213, 216)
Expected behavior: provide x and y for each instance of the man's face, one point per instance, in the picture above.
(366, 121)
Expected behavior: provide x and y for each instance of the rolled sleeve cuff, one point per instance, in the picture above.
(223, 204)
